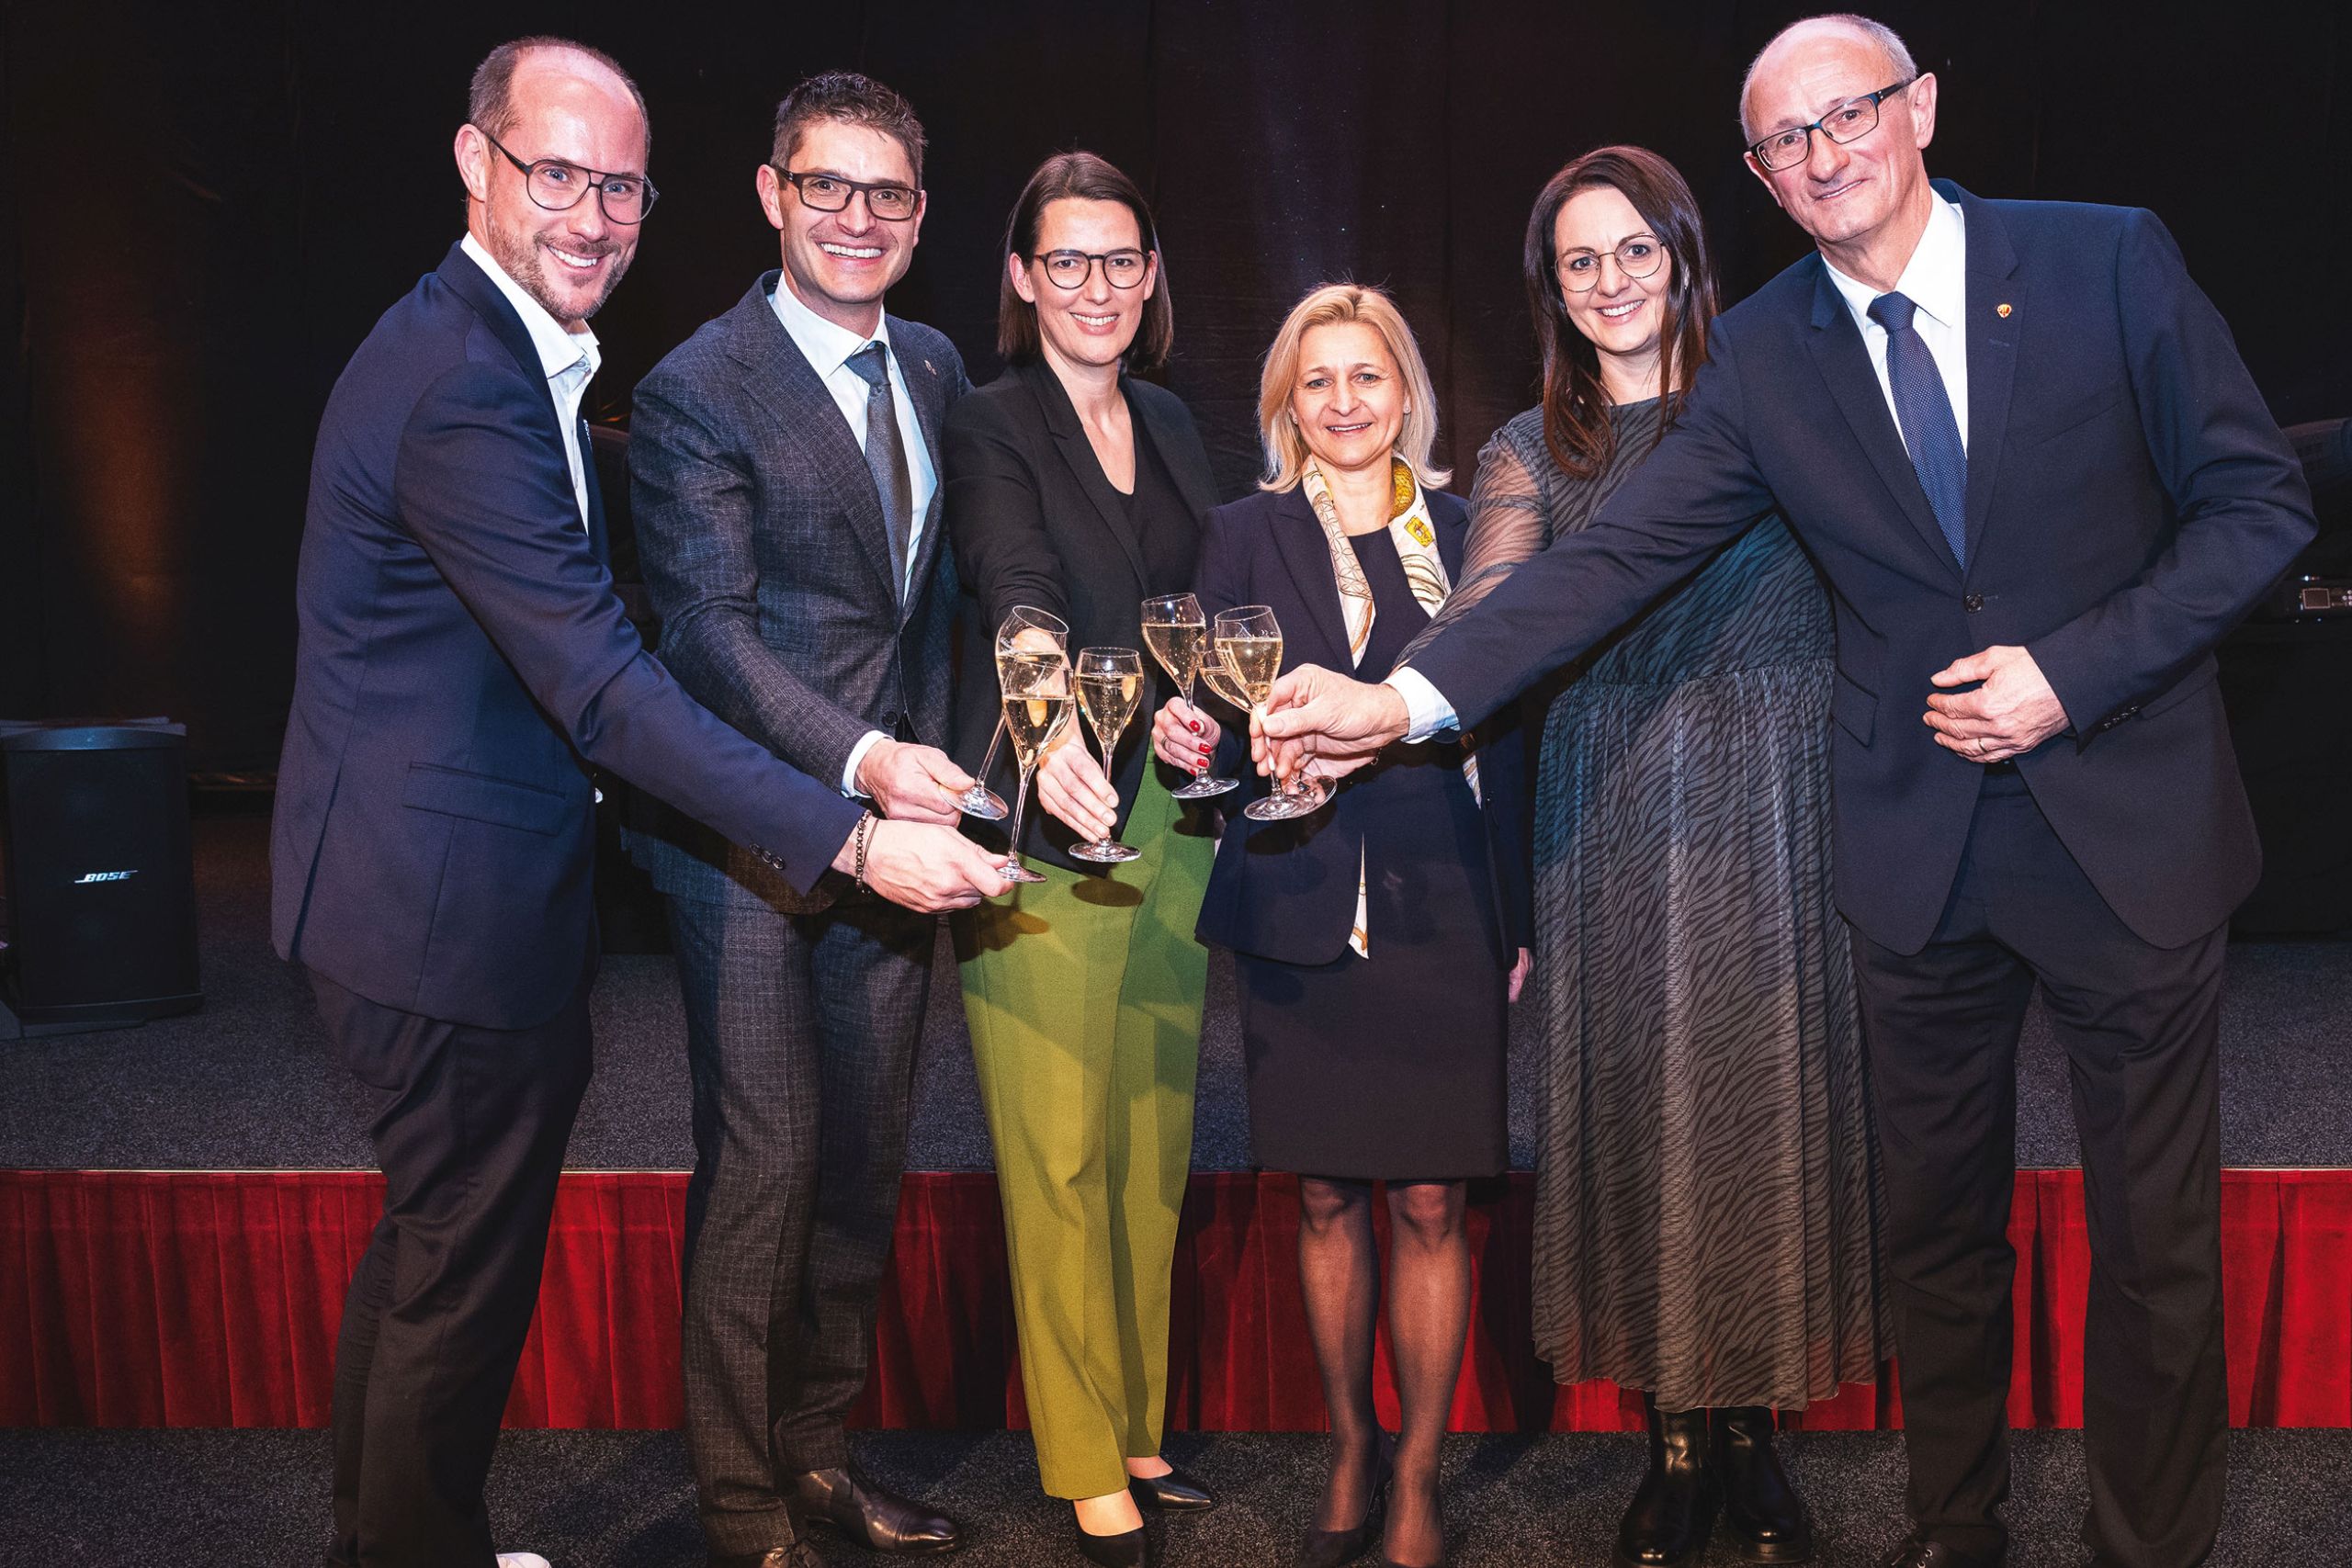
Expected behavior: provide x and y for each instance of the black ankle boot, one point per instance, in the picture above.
(1674, 1508)
(1761, 1510)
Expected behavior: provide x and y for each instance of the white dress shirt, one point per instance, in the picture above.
(827, 348)
(568, 359)
(1935, 279)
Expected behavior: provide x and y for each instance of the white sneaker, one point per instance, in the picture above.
(522, 1559)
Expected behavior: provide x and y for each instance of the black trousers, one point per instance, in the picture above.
(800, 1034)
(2137, 1026)
(469, 1125)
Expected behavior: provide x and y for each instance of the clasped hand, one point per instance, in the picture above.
(911, 784)
(2010, 714)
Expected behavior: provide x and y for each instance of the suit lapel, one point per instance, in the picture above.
(473, 285)
(927, 387)
(1995, 311)
(1844, 367)
(1078, 455)
(1298, 537)
(1183, 457)
(780, 380)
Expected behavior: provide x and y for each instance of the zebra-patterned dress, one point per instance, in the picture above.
(1707, 1203)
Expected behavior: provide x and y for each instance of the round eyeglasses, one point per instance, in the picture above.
(822, 192)
(559, 187)
(1850, 121)
(1637, 256)
(1067, 269)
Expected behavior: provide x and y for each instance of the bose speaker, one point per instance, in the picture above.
(101, 884)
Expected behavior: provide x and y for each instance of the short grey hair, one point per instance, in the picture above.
(1897, 55)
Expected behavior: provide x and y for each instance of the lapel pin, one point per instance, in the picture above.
(2001, 311)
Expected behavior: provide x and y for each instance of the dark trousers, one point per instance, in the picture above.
(2137, 1026)
(800, 1034)
(469, 1125)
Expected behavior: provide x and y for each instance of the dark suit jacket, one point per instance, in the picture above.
(1035, 523)
(2129, 498)
(1287, 890)
(460, 653)
(765, 554)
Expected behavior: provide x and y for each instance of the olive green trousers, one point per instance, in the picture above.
(1085, 996)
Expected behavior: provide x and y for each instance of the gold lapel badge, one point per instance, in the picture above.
(2001, 311)
(1420, 531)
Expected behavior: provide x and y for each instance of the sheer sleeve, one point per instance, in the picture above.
(1506, 526)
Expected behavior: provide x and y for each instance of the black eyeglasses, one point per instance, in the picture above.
(559, 187)
(1850, 121)
(1067, 269)
(830, 193)
(1638, 255)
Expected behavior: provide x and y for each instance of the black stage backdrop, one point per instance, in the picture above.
(203, 209)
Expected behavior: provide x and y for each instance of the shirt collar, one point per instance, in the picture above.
(824, 345)
(559, 350)
(1935, 279)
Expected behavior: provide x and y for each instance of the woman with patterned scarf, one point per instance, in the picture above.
(1375, 940)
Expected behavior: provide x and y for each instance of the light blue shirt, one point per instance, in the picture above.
(827, 348)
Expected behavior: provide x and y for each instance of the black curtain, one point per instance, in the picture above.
(204, 207)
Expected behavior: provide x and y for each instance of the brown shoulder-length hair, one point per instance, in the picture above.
(1078, 176)
(1575, 408)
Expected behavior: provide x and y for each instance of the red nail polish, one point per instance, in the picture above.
(1196, 726)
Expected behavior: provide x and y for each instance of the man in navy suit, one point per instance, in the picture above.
(462, 661)
(2022, 448)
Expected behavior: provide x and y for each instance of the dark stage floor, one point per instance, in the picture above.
(623, 1499)
(246, 1082)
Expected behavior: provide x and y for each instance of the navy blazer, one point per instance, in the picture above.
(462, 656)
(2129, 499)
(1287, 890)
(766, 554)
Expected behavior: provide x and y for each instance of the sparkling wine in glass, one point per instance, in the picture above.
(1036, 688)
(979, 801)
(1178, 634)
(1110, 684)
(1248, 644)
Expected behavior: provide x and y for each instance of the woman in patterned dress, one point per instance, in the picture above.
(1707, 1199)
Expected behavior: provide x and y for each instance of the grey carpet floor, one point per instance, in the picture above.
(588, 1500)
(246, 1082)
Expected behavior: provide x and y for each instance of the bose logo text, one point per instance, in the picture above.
(104, 876)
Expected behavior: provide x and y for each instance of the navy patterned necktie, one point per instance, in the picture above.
(1930, 430)
(886, 454)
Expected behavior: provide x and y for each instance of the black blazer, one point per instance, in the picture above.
(1287, 890)
(766, 551)
(460, 652)
(1034, 521)
(2129, 498)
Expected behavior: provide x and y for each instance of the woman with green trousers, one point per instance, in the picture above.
(1075, 488)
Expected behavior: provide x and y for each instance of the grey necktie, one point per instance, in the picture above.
(886, 454)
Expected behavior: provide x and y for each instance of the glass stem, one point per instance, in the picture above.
(987, 763)
(1108, 741)
(1020, 803)
(1200, 769)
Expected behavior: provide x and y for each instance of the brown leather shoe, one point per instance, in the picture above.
(869, 1515)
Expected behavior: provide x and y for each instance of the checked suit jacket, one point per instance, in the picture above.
(765, 553)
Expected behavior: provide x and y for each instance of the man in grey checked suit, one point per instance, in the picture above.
(785, 468)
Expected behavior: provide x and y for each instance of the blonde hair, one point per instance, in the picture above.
(1334, 304)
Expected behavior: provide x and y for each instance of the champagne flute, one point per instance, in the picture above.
(1178, 634)
(1035, 687)
(980, 802)
(1249, 643)
(1110, 684)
